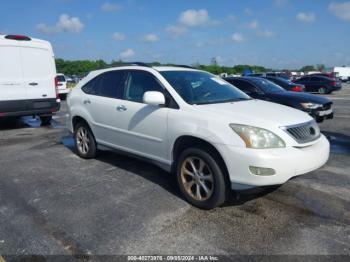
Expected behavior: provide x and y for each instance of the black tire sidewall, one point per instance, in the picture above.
(92, 147)
(220, 187)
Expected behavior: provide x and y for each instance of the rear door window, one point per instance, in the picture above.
(112, 84)
(109, 84)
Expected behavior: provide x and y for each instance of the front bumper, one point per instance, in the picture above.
(286, 162)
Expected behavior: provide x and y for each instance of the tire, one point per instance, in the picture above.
(189, 184)
(63, 97)
(84, 141)
(45, 120)
(322, 90)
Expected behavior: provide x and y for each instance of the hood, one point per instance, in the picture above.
(301, 97)
(255, 112)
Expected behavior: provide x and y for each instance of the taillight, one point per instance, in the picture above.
(297, 89)
(56, 87)
(333, 83)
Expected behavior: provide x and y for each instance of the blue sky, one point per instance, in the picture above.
(272, 33)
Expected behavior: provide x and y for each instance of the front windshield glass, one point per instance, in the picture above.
(267, 86)
(196, 87)
(286, 81)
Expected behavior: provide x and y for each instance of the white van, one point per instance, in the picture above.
(62, 86)
(342, 72)
(28, 83)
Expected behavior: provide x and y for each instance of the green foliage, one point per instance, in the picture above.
(82, 67)
(78, 67)
(308, 68)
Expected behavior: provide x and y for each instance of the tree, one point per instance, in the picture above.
(307, 68)
(320, 67)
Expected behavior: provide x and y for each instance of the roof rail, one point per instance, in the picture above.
(137, 64)
(185, 66)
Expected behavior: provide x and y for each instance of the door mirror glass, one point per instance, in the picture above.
(153, 98)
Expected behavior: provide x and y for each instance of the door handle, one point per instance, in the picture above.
(33, 84)
(87, 101)
(121, 108)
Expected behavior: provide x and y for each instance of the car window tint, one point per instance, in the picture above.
(111, 84)
(138, 83)
(314, 79)
(245, 86)
(91, 87)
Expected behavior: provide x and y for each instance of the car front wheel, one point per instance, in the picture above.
(84, 141)
(201, 179)
(322, 90)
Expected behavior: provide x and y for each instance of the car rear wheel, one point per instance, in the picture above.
(322, 90)
(201, 179)
(45, 120)
(84, 141)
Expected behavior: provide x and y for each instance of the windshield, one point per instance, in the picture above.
(196, 87)
(267, 86)
(61, 78)
(286, 81)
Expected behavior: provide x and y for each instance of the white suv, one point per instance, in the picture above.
(62, 86)
(192, 123)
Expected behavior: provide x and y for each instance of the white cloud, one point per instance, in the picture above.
(193, 17)
(127, 54)
(265, 33)
(108, 7)
(253, 24)
(176, 30)
(118, 36)
(340, 10)
(306, 17)
(65, 24)
(151, 38)
(238, 38)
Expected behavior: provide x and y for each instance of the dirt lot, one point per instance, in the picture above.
(53, 202)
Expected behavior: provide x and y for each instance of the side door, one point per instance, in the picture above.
(39, 72)
(13, 92)
(315, 83)
(102, 95)
(142, 128)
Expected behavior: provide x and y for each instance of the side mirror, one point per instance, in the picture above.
(153, 98)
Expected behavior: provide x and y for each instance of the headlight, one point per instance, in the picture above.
(310, 105)
(255, 137)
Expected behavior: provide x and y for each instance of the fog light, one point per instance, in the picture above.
(262, 171)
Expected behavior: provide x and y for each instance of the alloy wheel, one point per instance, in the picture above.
(83, 141)
(197, 178)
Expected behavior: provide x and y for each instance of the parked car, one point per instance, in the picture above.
(319, 84)
(271, 74)
(286, 84)
(209, 133)
(28, 83)
(62, 86)
(318, 107)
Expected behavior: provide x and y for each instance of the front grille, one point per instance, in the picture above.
(305, 132)
(327, 106)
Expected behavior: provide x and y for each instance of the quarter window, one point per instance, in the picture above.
(138, 83)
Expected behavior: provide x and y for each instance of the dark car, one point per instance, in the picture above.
(270, 74)
(319, 84)
(318, 107)
(286, 84)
